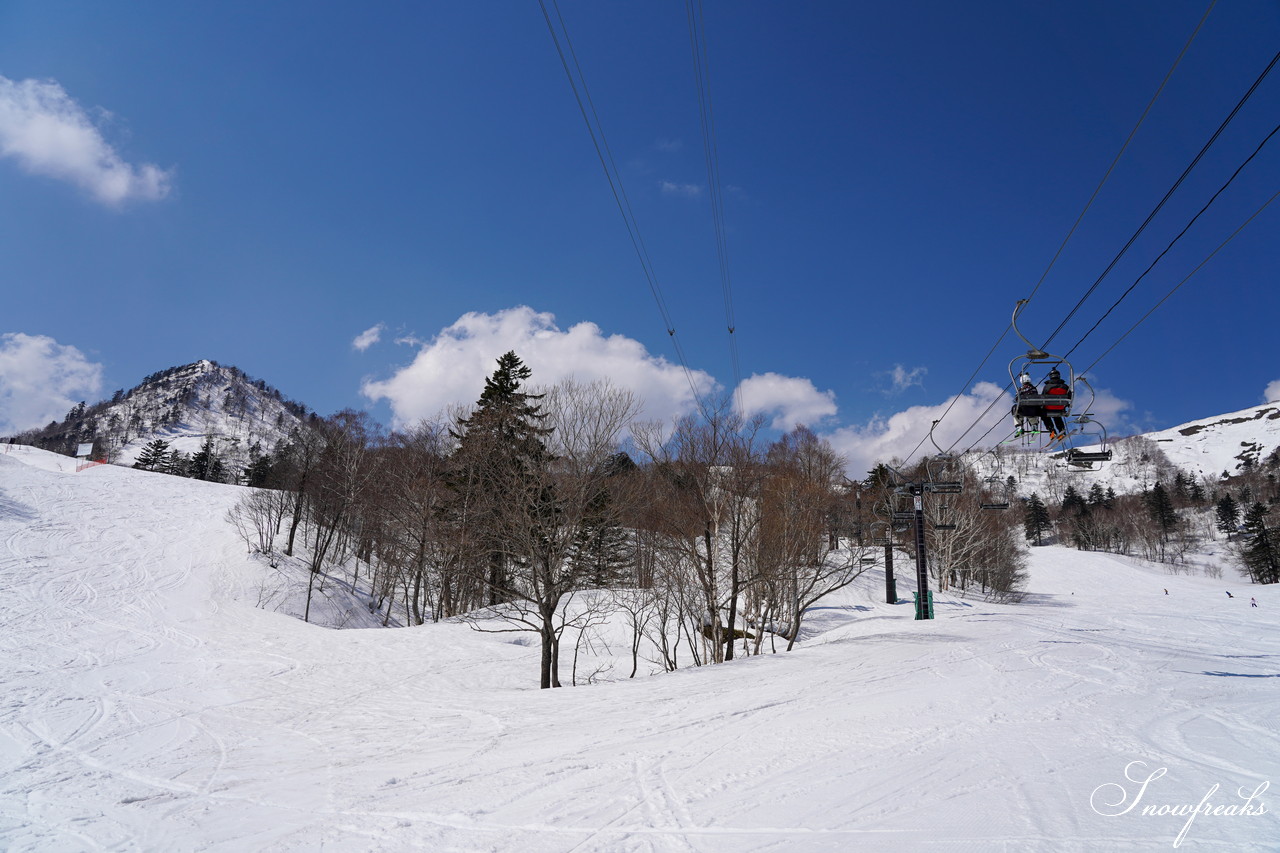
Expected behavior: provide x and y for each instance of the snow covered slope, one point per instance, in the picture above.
(1202, 450)
(1213, 445)
(147, 704)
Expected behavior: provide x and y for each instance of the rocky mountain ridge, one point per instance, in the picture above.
(186, 406)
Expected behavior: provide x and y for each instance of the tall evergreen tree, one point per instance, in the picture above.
(1160, 505)
(175, 462)
(153, 455)
(1261, 552)
(205, 464)
(1227, 514)
(1036, 521)
(1073, 503)
(1181, 488)
(258, 472)
(601, 550)
(500, 452)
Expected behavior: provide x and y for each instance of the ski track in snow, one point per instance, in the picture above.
(147, 705)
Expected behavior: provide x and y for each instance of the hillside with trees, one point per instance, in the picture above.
(202, 420)
(541, 513)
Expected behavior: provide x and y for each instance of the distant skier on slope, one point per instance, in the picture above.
(1229, 595)
(1253, 602)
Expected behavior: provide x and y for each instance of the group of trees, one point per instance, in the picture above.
(524, 514)
(1163, 522)
(972, 538)
(1148, 523)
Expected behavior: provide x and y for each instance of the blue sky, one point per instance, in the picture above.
(263, 186)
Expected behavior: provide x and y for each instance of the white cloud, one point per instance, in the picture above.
(1272, 394)
(368, 337)
(49, 134)
(882, 439)
(1108, 410)
(41, 379)
(452, 367)
(791, 400)
(686, 190)
(901, 378)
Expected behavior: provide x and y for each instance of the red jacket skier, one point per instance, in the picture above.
(1053, 420)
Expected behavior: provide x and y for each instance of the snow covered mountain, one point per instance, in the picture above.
(1225, 443)
(1204, 451)
(186, 406)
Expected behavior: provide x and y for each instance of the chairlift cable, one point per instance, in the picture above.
(1164, 299)
(1175, 288)
(614, 177)
(1221, 189)
(1123, 148)
(1152, 215)
(715, 191)
(1071, 232)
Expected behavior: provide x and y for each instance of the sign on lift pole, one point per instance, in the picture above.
(924, 599)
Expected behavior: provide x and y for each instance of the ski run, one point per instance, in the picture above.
(148, 702)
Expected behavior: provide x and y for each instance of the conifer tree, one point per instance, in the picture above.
(1036, 521)
(205, 464)
(1160, 505)
(601, 550)
(1073, 503)
(500, 453)
(1227, 514)
(176, 463)
(153, 455)
(1181, 488)
(258, 472)
(1261, 552)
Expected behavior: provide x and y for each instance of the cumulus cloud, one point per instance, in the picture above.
(1272, 394)
(368, 337)
(686, 190)
(897, 435)
(40, 380)
(1109, 410)
(790, 400)
(451, 368)
(47, 133)
(900, 378)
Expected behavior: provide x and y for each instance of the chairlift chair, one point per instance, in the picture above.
(1081, 460)
(880, 533)
(995, 492)
(944, 511)
(943, 469)
(1029, 408)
